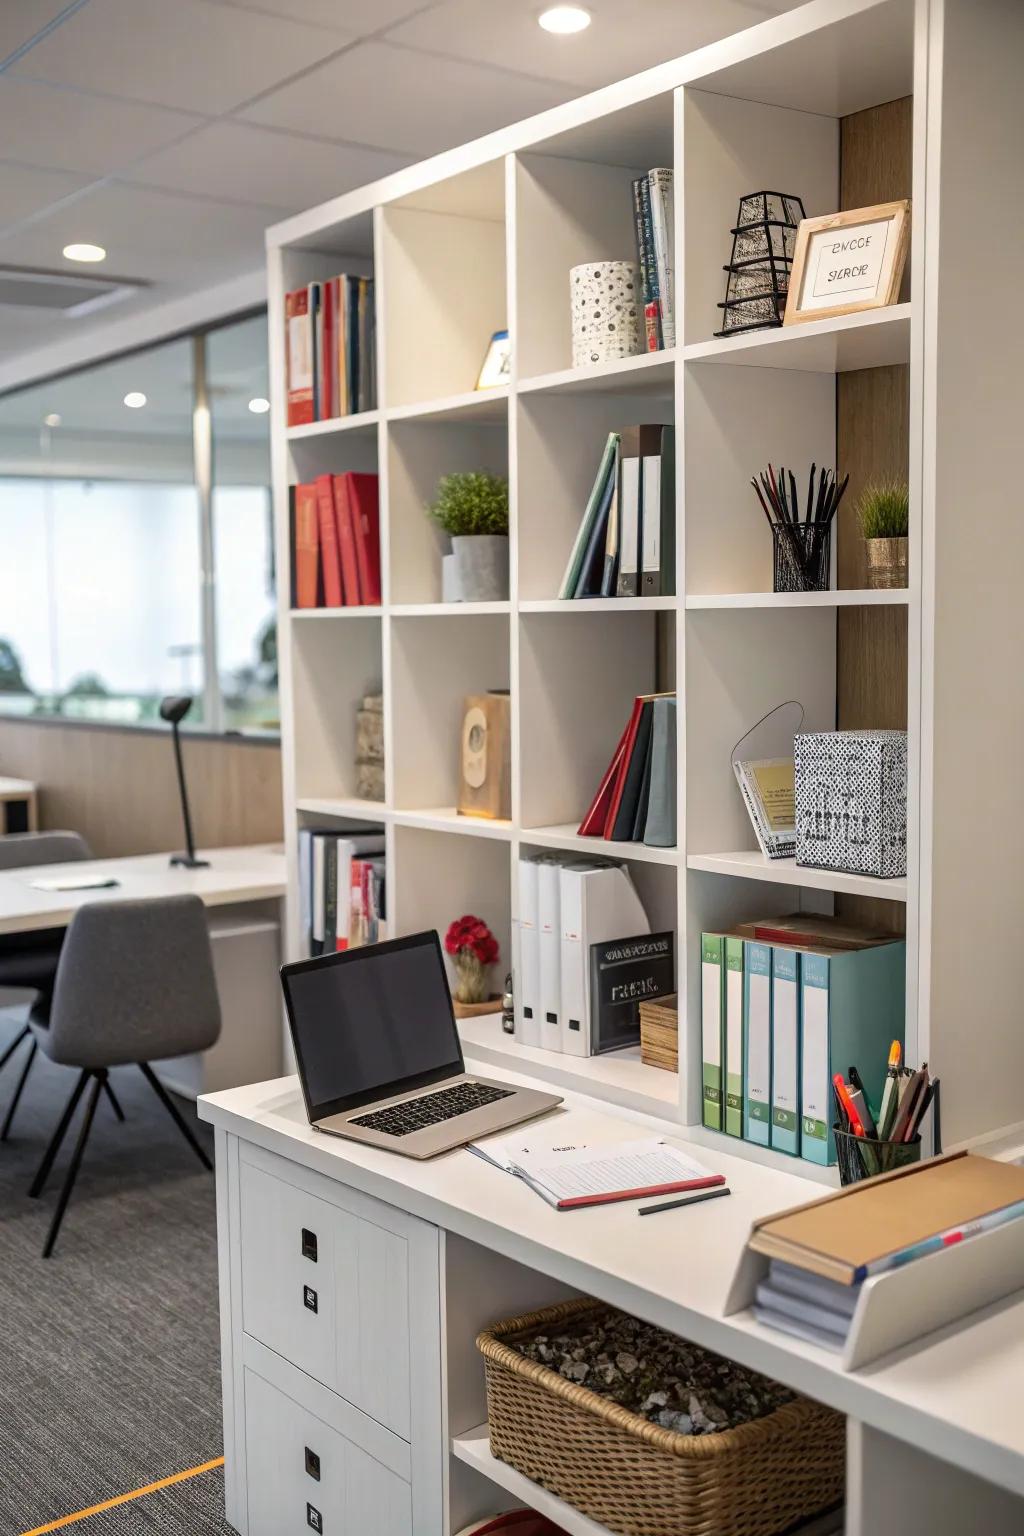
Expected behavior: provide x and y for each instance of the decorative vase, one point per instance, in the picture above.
(490, 1004)
(470, 978)
(605, 298)
(887, 563)
(481, 567)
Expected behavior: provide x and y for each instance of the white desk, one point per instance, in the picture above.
(501, 1250)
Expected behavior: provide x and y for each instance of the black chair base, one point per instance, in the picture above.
(22, 1080)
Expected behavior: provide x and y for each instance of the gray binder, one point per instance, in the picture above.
(660, 831)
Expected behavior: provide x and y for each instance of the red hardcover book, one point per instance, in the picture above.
(344, 517)
(327, 399)
(365, 501)
(593, 822)
(628, 743)
(328, 542)
(307, 546)
(298, 348)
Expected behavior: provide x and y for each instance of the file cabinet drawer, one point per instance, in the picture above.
(304, 1475)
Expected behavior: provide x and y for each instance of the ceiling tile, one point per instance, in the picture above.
(73, 131)
(191, 54)
(20, 20)
(24, 190)
(401, 100)
(358, 17)
(622, 39)
(240, 161)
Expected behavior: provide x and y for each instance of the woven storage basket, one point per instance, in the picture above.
(641, 1480)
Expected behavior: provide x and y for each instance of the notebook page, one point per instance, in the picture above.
(610, 1169)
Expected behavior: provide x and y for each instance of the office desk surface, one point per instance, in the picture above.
(235, 874)
(952, 1395)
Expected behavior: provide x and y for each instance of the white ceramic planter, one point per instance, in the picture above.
(449, 580)
(480, 567)
(605, 297)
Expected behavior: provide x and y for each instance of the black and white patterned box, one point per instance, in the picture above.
(851, 801)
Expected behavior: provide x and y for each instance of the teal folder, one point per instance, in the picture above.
(757, 1042)
(785, 1129)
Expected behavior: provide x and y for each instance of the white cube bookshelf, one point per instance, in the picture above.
(483, 237)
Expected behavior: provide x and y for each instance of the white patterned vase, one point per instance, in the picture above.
(605, 311)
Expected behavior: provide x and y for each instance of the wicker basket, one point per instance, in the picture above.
(659, 1034)
(638, 1479)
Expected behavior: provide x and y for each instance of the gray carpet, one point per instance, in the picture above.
(109, 1362)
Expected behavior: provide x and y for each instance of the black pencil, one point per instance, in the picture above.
(810, 495)
(672, 1205)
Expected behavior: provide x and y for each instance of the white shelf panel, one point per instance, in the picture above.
(850, 598)
(352, 611)
(649, 371)
(361, 421)
(874, 338)
(599, 605)
(446, 818)
(618, 1078)
(445, 610)
(718, 1143)
(566, 837)
(355, 810)
(472, 405)
(752, 865)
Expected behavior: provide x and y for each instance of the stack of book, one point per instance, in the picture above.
(786, 1004)
(625, 545)
(335, 542)
(636, 799)
(342, 889)
(654, 220)
(330, 349)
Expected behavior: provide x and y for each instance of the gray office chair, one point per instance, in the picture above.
(30, 959)
(135, 984)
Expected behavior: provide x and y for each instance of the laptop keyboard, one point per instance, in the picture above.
(431, 1109)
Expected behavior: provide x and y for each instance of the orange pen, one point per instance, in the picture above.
(843, 1092)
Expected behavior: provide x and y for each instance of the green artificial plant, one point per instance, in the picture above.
(471, 503)
(884, 510)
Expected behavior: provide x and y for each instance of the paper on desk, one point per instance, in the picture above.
(580, 1175)
(74, 883)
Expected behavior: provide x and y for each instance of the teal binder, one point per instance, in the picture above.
(785, 1129)
(757, 1042)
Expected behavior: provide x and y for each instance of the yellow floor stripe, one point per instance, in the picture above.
(124, 1498)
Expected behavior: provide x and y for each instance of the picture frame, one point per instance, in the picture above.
(845, 262)
(497, 365)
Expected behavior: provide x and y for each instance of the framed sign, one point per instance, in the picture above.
(848, 261)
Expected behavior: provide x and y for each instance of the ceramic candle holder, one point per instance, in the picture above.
(605, 298)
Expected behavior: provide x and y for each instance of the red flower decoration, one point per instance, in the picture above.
(471, 935)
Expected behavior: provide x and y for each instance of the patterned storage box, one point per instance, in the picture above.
(851, 801)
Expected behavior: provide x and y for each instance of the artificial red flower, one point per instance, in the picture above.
(473, 935)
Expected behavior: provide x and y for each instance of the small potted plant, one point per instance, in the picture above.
(473, 949)
(884, 512)
(472, 508)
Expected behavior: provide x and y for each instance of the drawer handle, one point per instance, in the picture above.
(309, 1298)
(312, 1464)
(314, 1519)
(308, 1244)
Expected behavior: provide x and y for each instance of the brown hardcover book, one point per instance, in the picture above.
(307, 547)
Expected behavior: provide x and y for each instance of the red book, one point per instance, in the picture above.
(327, 401)
(628, 742)
(593, 822)
(364, 496)
(344, 517)
(298, 348)
(328, 542)
(307, 546)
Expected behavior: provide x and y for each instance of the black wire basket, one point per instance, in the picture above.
(859, 1157)
(802, 557)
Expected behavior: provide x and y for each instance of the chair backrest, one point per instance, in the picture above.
(18, 850)
(135, 983)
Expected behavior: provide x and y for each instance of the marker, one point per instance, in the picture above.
(890, 1093)
(856, 1125)
(671, 1205)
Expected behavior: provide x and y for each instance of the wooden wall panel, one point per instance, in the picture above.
(118, 787)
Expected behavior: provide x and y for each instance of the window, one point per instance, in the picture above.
(108, 520)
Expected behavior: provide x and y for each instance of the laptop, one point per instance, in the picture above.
(379, 1056)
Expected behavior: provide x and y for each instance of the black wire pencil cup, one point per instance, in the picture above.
(802, 544)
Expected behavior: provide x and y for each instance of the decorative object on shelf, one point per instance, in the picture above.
(605, 298)
(659, 1033)
(636, 799)
(851, 801)
(758, 274)
(767, 787)
(623, 974)
(485, 756)
(174, 710)
(801, 547)
(654, 220)
(473, 949)
(472, 509)
(849, 261)
(639, 1425)
(884, 513)
(370, 747)
(496, 367)
(508, 1007)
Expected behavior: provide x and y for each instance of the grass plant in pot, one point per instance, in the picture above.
(884, 513)
(472, 508)
(474, 950)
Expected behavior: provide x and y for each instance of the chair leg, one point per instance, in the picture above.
(76, 1160)
(5, 1058)
(23, 1079)
(175, 1114)
(112, 1096)
(39, 1182)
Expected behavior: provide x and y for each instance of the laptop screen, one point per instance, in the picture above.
(371, 1022)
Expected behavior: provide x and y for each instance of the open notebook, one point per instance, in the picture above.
(568, 1177)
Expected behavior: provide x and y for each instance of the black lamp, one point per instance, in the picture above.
(174, 710)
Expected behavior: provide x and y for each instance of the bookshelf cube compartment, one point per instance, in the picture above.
(560, 441)
(334, 665)
(419, 453)
(436, 661)
(438, 878)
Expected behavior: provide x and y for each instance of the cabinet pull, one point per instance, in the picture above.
(309, 1298)
(309, 1244)
(314, 1519)
(312, 1464)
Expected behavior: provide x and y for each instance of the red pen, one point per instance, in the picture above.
(856, 1124)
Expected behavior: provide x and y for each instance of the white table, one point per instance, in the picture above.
(944, 1411)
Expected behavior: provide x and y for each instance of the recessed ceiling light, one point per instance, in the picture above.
(53, 420)
(85, 253)
(564, 19)
(259, 406)
(135, 400)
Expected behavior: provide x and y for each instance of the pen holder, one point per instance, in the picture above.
(802, 557)
(861, 1158)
